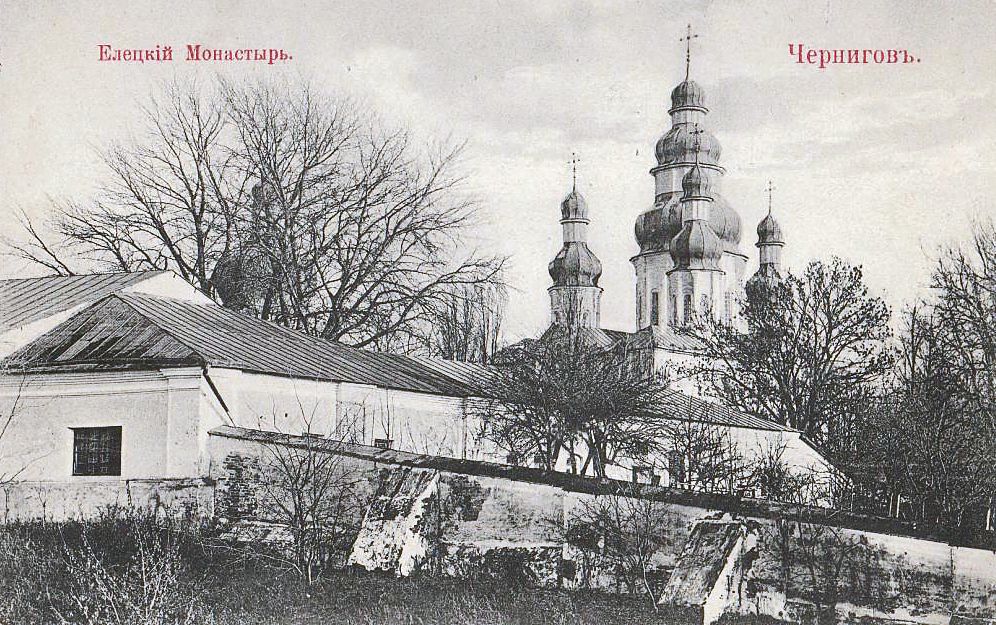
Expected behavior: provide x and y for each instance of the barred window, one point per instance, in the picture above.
(97, 451)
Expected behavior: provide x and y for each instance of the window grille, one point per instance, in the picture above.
(97, 451)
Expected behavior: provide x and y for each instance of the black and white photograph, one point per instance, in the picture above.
(498, 312)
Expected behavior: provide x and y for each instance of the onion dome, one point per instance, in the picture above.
(688, 95)
(696, 247)
(574, 206)
(657, 226)
(242, 276)
(678, 145)
(696, 185)
(725, 222)
(769, 232)
(575, 265)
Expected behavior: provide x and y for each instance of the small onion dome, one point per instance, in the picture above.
(575, 265)
(696, 247)
(696, 184)
(678, 144)
(769, 232)
(688, 95)
(574, 206)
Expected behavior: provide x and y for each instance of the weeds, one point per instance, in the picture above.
(126, 569)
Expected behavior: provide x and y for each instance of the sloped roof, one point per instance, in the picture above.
(658, 337)
(590, 336)
(682, 406)
(131, 329)
(24, 300)
(134, 330)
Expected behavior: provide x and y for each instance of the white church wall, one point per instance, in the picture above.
(38, 445)
(164, 418)
(407, 421)
(163, 437)
(651, 276)
(425, 424)
(161, 413)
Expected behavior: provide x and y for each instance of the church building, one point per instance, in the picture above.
(118, 380)
(690, 264)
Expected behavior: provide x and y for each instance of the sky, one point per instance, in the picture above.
(878, 164)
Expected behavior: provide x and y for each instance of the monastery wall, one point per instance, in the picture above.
(473, 519)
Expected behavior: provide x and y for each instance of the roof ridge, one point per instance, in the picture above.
(87, 275)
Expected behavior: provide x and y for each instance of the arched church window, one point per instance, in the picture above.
(655, 308)
(674, 310)
(688, 307)
(729, 307)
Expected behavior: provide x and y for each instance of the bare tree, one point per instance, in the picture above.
(564, 395)
(309, 486)
(812, 349)
(467, 326)
(935, 440)
(625, 532)
(702, 455)
(300, 208)
(815, 556)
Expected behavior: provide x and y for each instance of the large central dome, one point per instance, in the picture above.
(685, 143)
(656, 227)
(678, 146)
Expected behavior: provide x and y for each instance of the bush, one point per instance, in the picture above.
(138, 581)
(132, 569)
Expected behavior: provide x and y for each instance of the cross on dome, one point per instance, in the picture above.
(698, 140)
(769, 189)
(688, 49)
(574, 169)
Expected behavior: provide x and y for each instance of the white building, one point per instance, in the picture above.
(128, 389)
(119, 378)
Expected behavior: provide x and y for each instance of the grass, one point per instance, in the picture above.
(138, 571)
(363, 598)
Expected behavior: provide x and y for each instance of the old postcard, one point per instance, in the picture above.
(497, 312)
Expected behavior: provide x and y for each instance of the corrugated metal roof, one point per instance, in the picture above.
(128, 328)
(24, 300)
(682, 406)
(110, 332)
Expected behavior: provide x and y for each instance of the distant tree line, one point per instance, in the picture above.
(907, 414)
